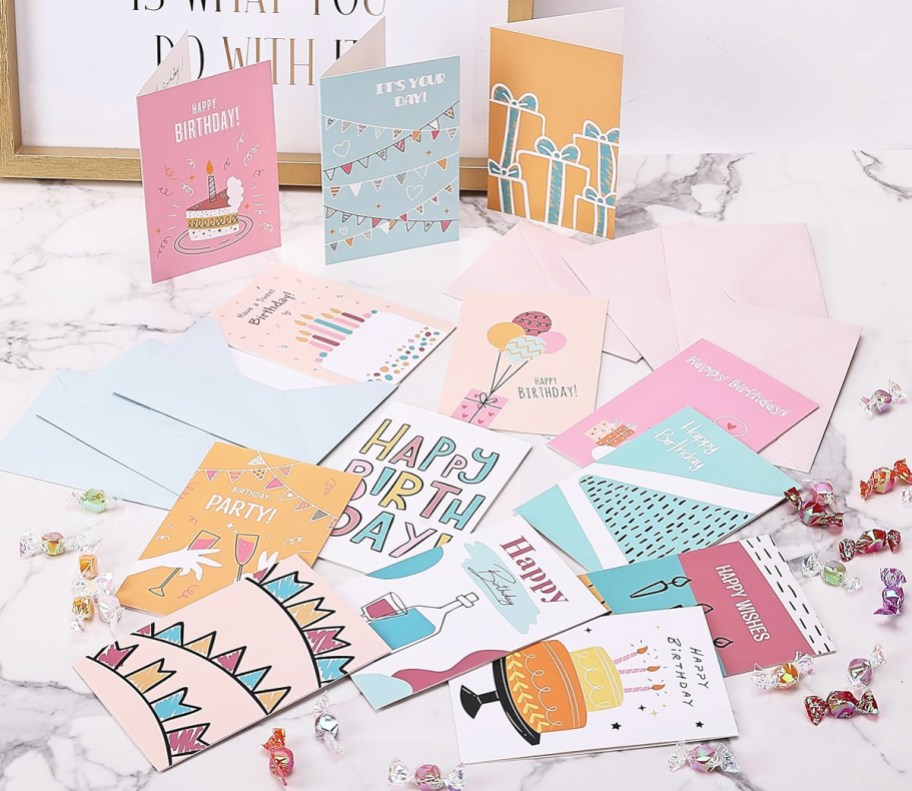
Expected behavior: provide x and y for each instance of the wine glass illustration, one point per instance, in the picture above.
(245, 545)
(204, 540)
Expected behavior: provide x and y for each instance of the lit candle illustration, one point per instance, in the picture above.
(212, 190)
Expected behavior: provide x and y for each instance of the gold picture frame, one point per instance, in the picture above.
(122, 164)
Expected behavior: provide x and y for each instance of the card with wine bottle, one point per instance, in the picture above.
(240, 512)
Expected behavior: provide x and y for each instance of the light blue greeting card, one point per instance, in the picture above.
(389, 152)
(684, 484)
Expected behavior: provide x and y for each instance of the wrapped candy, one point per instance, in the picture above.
(840, 705)
(93, 594)
(427, 777)
(816, 504)
(54, 543)
(832, 572)
(882, 400)
(704, 758)
(861, 670)
(875, 540)
(893, 596)
(281, 759)
(94, 500)
(326, 726)
(783, 676)
(883, 479)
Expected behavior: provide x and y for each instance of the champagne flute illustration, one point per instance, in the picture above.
(245, 545)
(204, 540)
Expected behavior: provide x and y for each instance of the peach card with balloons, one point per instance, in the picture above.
(208, 154)
(525, 362)
(185, 682)
(241, 512)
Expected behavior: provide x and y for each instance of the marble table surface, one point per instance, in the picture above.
(75, 293)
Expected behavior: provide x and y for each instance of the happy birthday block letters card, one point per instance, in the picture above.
(555, 108)
(185, 682)
(209, 165)
(525, 362)
(239, 513)
(329, 331)
(389, 151)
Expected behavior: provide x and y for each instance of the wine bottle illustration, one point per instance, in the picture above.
(204, 540)
(400, 626)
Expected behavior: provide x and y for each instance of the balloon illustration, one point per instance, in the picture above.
(533, 322)
(522, 350)
(499, 335)
(554, 341)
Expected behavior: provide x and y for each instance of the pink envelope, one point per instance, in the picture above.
(771, 266)
(630, 273)
(531, 258)
(812, 354)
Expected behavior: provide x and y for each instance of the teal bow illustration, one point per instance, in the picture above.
(501, 93)
(547, 147)
(592, 195)
(591, 130)
(510, 172)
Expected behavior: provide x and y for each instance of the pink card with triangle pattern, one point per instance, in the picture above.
(184, 682)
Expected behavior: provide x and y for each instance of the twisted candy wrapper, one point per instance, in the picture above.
(861, 669)
(93, 593)
(326, 726)
(710, 757)
(875, 540)
(840, 705)
(893, 596)
(281, 759)
(883, 479)
(427, 777)
(882, 400)
(832, 573)
(816, 504)
(54, 543)
(94, 500)
(783, 676)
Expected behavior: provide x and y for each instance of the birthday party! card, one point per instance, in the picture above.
(743, 400)
(238, 514)
(424, 479)
(684, 484)
(209, 166)
(389, 147)
(327, 330)
(454, 608)
(525, 362)
(553, 132)
(756, 610)
(185, 682)
(620, 681)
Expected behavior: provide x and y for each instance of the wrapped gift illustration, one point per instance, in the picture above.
(594, 213)
(599, 152)
(520, 119)
(479, 408)
(554, 175)
(511, 194)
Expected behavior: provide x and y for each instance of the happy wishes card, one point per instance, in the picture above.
(209, 165)
(389, 152)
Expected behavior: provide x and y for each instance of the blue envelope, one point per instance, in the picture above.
(195, 381)
(36, 449)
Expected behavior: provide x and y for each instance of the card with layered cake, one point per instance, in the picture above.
(187, 681)
(756, 611)
(328, 330)
(742, 399)
(389, 149)
(554, 132)
(425, 478)
(209, 166)
(462, 605)
(620, 681)
(525, 362)
(240, 512)
(684, 484)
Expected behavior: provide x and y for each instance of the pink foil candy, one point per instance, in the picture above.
(882, 400)
(883, 479)
(816, 504)
(840, 705)
(713, 757)
(427, 777)
(861, 669)
(893, 596)
(281, 759)
(875, 540)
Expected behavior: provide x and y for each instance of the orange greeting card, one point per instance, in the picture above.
(555, 113)
(240, 513)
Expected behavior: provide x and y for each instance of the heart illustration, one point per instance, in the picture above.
(414, 190)
(731, 426)
(342, 149)
(491, 413)
(343, 230)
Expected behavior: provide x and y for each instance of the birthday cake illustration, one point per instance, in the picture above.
(546, 687)
(217, 214)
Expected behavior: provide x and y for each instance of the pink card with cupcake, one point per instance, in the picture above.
(329, 331)
(209, 166)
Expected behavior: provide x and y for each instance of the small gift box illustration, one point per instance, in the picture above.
(552, 174)
(507, 190)
(479, 408)
(611, 434)
(520, 120)
(599, 151)
(594, 213)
